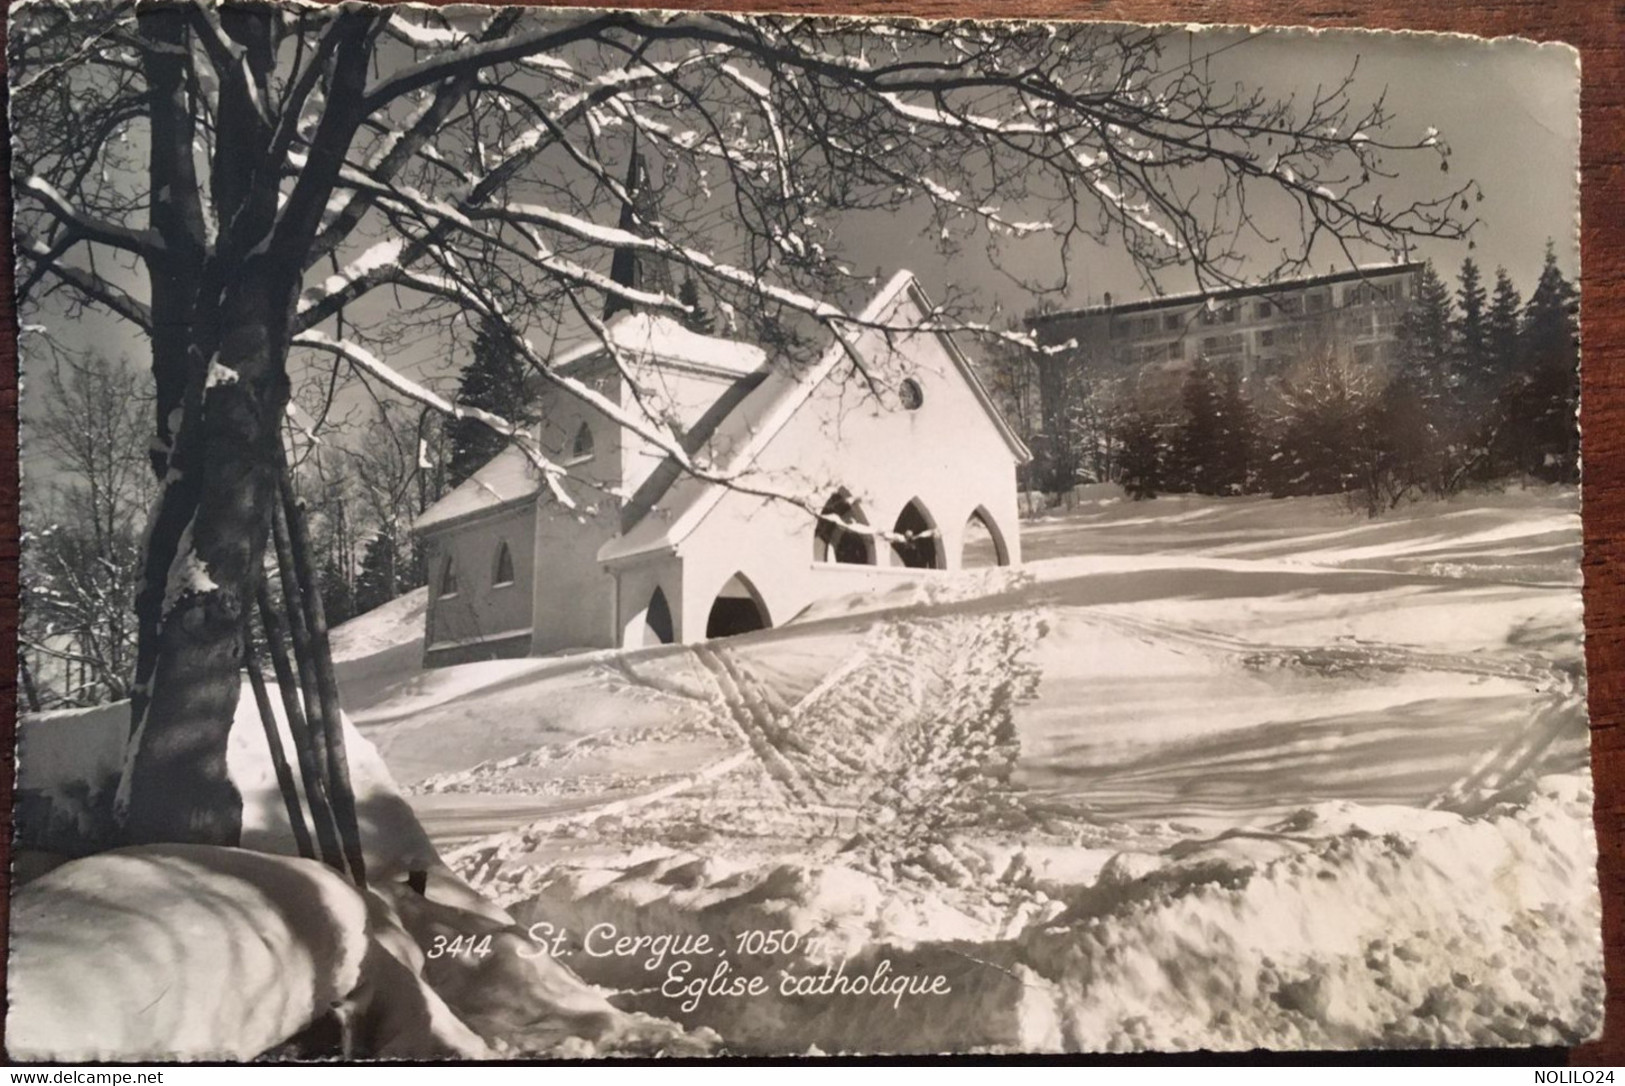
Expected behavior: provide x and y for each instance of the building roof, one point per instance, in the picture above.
(659, 337)
(759, 418)
(762, 401)
(506, 479)
(1141, 305)
(510, 477)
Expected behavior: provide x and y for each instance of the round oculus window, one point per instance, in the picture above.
(911, 394)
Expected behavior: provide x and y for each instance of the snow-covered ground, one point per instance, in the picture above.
(1200, 774)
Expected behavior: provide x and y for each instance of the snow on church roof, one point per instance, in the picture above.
(747, 428)
(759, 418)
(507, 477)
(657, 336)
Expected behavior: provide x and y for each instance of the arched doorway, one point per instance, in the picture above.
(920, 547)
(652, 625)
(738, 609)
(833, 543)
(983, 545)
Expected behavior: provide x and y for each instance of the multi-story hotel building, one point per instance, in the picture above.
(1263, 330)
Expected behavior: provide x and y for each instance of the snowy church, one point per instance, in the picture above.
(888, 430)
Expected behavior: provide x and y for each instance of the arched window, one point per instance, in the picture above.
(738, 609)
(920, 547)
(983, 545)
(658, 620)
(581, 448)
(502, 568)
(448, 577)
(652, 625)
(833, 543)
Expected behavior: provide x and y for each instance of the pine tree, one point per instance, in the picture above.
(1470, 377)
(1141, 460)
(1504, 327)
(1238, 436)
(698, 319)
(1540, 435)
(1549, 328)
(1425, 339)
(494, 381)
(338, 601)
(1426, 373)
(1321, 446)
(379, 580)
(1196, 446)
(1406, 449)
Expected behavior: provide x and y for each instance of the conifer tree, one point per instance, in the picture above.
(1426, 372)
(1238, 435)
(1196, 446)
(1540, 435)
(1470, 378)
(1322, 444)
(379, 580)
(1550, 328)
(1425, 339)
(1140, 462)
(1504, 326)
(338, 601)
(494, 381)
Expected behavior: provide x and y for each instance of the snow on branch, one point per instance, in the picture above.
(89, 285)
(472, 58)
(141, 242)
(369, 363)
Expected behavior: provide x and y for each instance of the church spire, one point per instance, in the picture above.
(637, 269)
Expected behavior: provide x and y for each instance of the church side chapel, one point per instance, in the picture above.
(888, 432)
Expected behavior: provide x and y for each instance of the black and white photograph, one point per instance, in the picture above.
(563, 533)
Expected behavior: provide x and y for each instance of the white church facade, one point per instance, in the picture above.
(889, 429)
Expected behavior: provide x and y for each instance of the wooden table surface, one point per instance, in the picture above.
(1596, 27)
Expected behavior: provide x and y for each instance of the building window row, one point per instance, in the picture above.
(1319, 300)
(502, 573)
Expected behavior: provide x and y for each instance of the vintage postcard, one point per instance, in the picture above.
(574, 532)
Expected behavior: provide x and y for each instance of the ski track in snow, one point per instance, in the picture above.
(918, 700)
(911, 733)
(1150, 794)
(1559, 689)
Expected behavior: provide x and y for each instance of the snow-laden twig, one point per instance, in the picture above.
(369, 363)
(141, 242)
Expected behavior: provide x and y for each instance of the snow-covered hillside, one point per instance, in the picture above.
(1202, 773)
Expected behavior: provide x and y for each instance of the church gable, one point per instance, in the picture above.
(845, 406)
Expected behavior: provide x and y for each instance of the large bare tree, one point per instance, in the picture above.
(241, 183)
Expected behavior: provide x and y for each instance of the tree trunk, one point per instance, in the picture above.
(175, 785)
(221, 326)
(304, 744)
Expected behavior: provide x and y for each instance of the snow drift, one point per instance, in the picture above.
(1339, 927)
(194, 952)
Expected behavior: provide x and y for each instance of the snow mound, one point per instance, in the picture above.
(1454, 932)
(179, 953)
(68, 766)
(396, 623)
(1340, 926)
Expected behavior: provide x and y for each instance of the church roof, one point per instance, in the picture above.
(506, 479)
(758, 419)
(661, 338)
(767, 403)
(647, 339)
